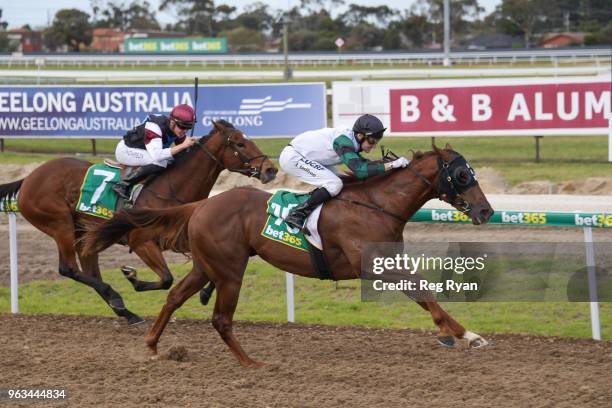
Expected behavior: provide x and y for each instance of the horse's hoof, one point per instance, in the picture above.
(252, 363)
(258, 364)
(128, 271)
(477, 343)
(446, 341)
(152, 349)
(135, 321)
(206, 294)
(474, 340)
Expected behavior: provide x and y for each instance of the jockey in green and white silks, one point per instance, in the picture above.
(313, 155)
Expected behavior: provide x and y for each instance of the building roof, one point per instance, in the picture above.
(576, 37)
(494, 40)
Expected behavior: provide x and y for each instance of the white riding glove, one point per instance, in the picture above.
(401, 162)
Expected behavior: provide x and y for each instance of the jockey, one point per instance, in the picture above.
(312, 156)
(149, 145)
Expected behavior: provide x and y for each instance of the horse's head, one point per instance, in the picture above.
(241, 155)
(457, 185)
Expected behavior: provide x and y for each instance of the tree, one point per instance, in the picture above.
(378, 15)
(3, 24)
(197, 15)
(70, 27)
(365, 37)
(256, 17)
(596, 10)
(524, 15)
(131, 17)
(603, 36)
(302, 40)
(222, 20)
(415, 27)
(5, 44)
(462, 15)
(141, 17)
(244, 39)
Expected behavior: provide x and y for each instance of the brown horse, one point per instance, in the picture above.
(48, 197)
(375, 210)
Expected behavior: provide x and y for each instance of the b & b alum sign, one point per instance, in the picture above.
(482, 107)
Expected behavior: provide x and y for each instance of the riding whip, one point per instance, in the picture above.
(195, 105)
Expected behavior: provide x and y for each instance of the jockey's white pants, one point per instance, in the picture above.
(131, 156)
(309, 171)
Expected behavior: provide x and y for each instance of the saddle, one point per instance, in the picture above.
(125, 170)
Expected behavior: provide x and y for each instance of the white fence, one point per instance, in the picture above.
(67, 75)
(532, 56)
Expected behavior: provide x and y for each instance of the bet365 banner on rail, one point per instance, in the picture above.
(473, 107)
(266, 110)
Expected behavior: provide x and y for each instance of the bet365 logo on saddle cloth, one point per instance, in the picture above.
(96, 197)
(275, 227)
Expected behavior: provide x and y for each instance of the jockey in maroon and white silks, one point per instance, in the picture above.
(150, 144)
(151, 141)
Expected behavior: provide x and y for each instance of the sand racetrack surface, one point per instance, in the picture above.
(103, 363)
(100, 362)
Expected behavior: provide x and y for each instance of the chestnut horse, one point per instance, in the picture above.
(375, 210)
(48, 197)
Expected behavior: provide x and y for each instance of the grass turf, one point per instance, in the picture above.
(563, 158)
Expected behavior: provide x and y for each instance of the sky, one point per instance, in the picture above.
(38, 12)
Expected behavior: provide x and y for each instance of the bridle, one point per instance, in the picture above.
(454, 177)
(252, 171)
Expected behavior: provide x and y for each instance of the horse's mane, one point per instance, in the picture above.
(351, 179)
(185, 154)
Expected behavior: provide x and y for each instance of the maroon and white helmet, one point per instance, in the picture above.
(183, 115)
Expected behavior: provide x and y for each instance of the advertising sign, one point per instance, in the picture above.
(505, 107)
(174, 45)
(109, 111)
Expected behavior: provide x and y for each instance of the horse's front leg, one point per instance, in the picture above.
(225, 306)
(151, 255)
(449, 327)
(189, 285)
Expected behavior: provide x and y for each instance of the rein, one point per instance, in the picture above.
(375, 208)
(446, 184)
(251, 172)
(382, 210)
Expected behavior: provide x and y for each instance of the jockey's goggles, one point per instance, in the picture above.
(374, 138)
(183, 125)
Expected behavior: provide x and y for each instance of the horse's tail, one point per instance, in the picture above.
(8, 192)
(168, 226)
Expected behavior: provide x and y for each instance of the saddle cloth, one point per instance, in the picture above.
(96, 196)
(279, 206)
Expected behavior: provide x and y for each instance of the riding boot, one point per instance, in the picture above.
(297, 217)
(122, 187)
